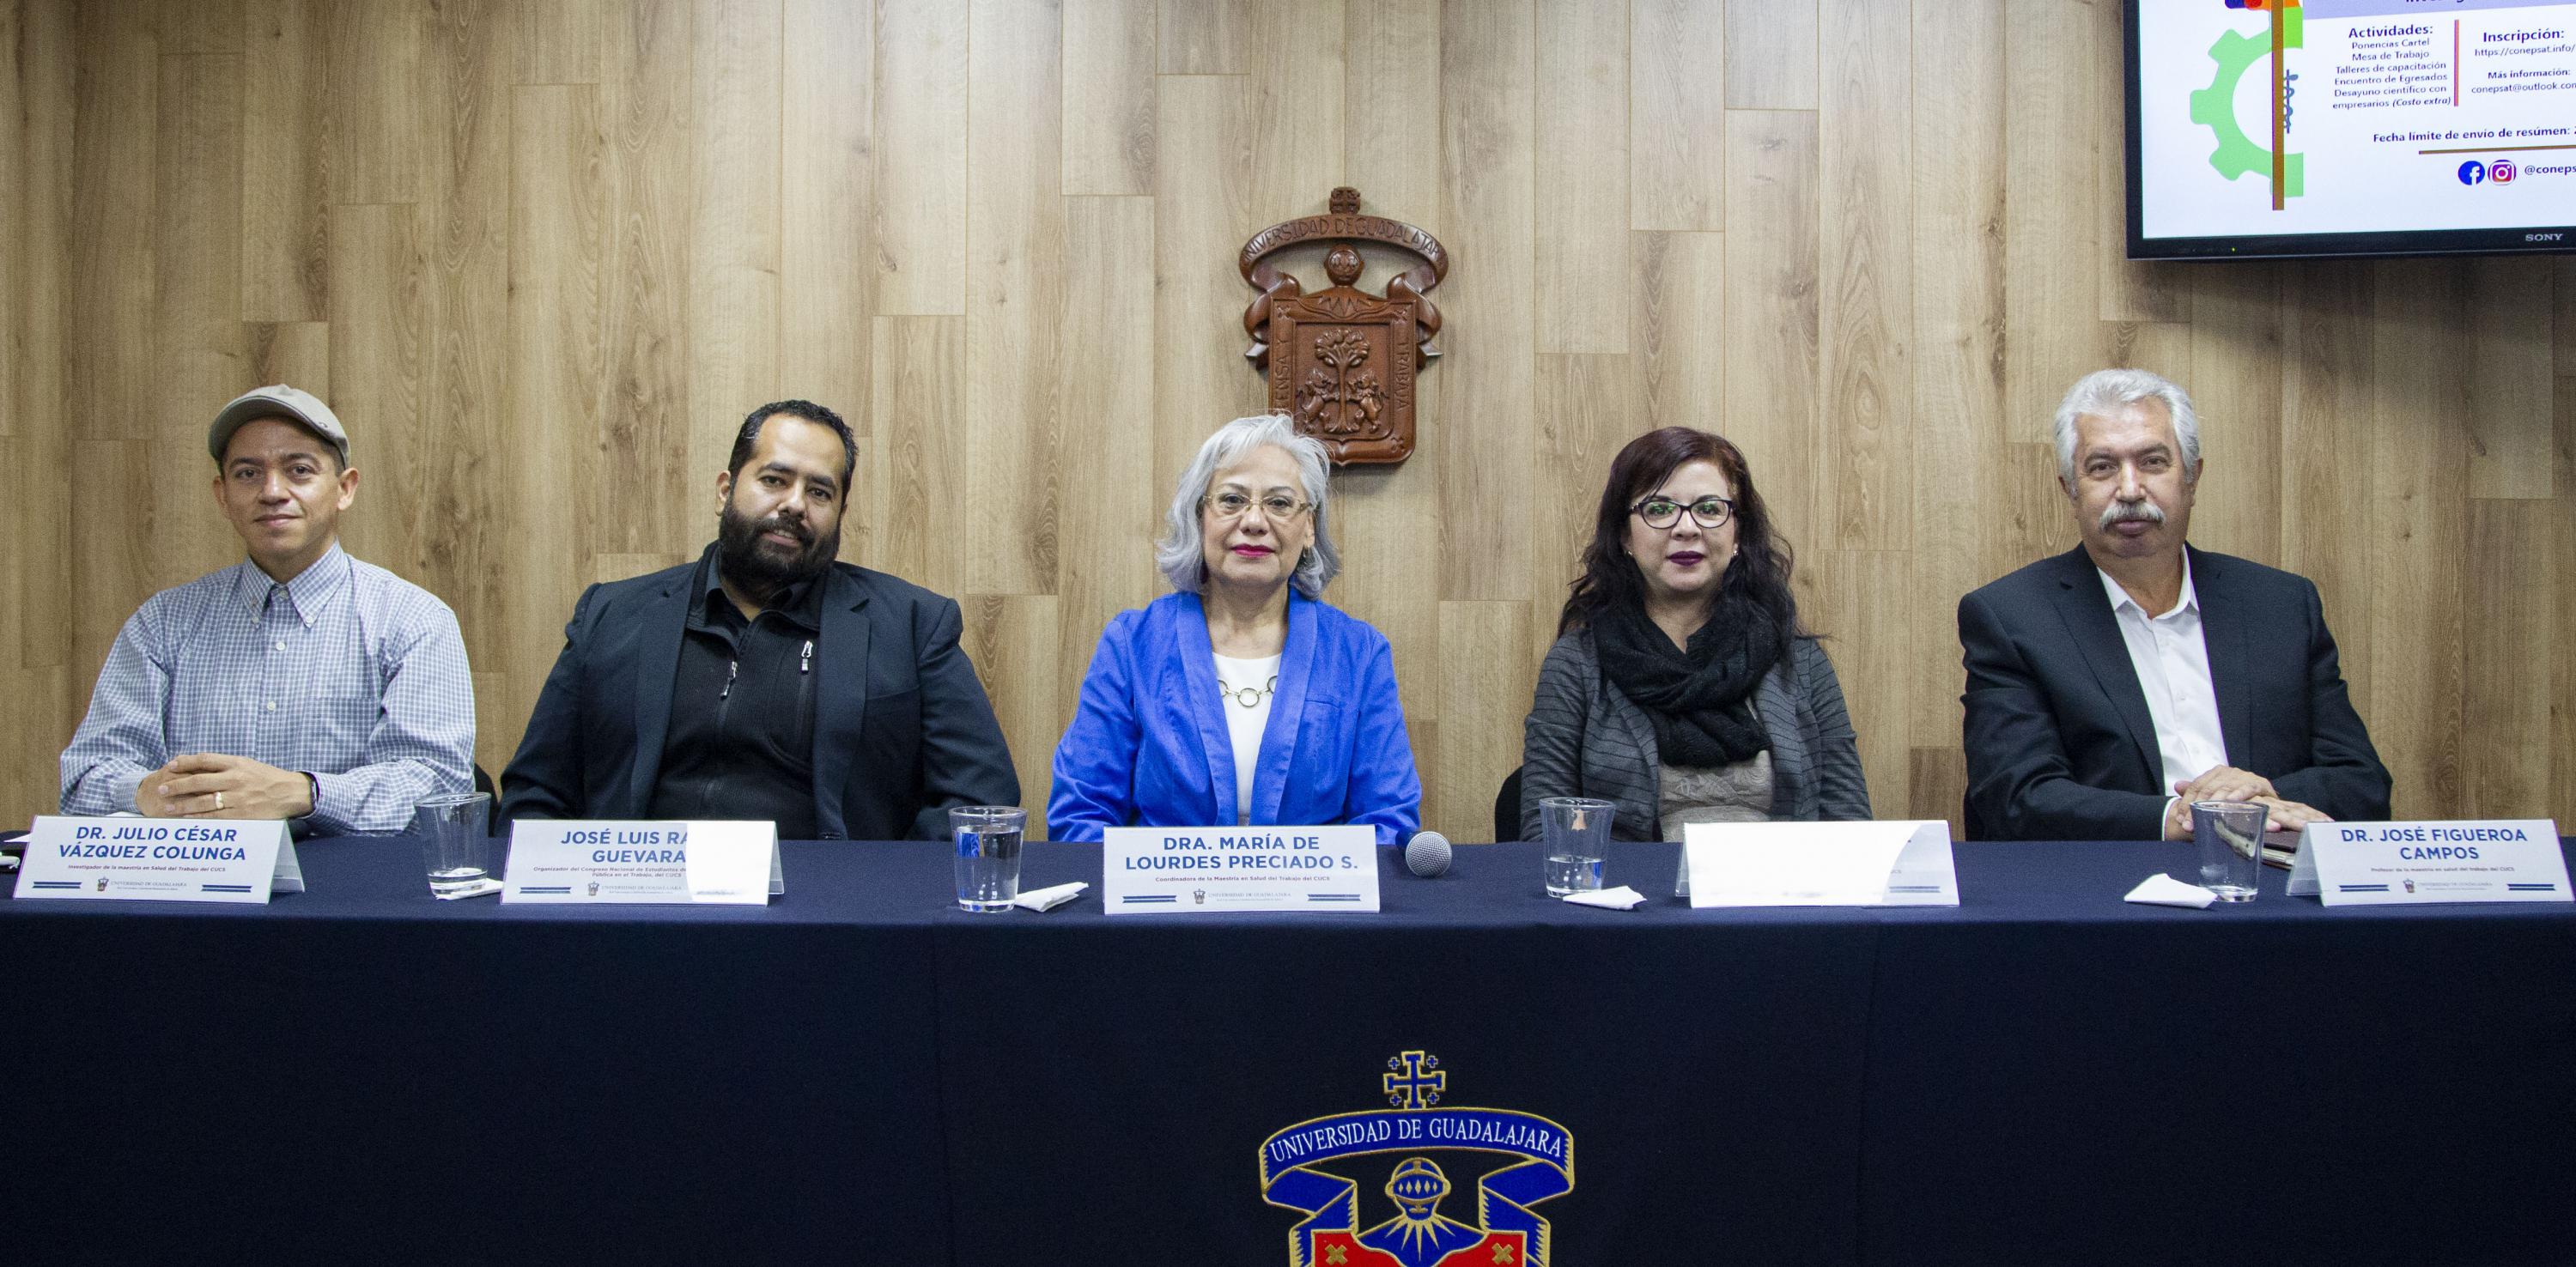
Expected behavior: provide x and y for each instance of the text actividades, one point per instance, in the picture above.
(157, 844)
(1459, 1128)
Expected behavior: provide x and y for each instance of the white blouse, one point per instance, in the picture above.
(1242, 680)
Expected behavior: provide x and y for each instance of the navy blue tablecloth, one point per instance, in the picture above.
(859, 1072)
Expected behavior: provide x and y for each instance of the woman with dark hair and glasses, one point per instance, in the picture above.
(1681, 688)
(1243, 698)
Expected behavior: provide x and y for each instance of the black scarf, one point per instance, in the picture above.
(1694, 697)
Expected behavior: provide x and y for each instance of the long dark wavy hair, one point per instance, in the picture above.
(1760, 573)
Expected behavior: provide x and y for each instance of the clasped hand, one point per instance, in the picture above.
(213, 785)
(2227, 783)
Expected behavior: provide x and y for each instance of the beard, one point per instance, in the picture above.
(763, 568)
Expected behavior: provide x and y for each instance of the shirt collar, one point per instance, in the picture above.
(2120, 597)
(306, 591)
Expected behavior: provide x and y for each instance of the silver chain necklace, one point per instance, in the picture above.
(1247, 696)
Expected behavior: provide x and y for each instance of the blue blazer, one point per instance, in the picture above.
(1148, 746)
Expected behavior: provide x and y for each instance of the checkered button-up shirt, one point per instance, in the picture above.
(347, 672)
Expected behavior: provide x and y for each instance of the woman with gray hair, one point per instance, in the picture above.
(1242, 698)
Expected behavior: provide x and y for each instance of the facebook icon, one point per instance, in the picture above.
(2472, 171)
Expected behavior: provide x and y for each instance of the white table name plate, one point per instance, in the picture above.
(1890, 863)
(651, 863)
(2389, 864)
(1163, 870)
(159, 860)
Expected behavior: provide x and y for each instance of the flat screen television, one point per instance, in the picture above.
(2283, 128)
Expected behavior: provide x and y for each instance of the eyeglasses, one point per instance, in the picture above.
(1664, 512)
(1278, 506)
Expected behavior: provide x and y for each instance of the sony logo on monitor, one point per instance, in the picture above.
(2542, 237)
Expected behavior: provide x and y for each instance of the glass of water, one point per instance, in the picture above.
(2230, 836)
(988, 854)
(455, 844)
(1576, 835)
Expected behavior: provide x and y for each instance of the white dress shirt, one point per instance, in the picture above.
(2172, 662)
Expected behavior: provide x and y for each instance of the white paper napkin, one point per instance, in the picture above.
(1049, 899)
(2164, 890)
(477, 889)
(1618, 899)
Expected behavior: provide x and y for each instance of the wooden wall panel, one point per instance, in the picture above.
(2510, 376)
(1676, 115)
(379, 132)
(285, 196)
(557, 365)
(1865, 312)
(1771, 55)
(826, 314)
(1108, 109)
(1109, 516)
(2420, 542)
(2235, 383)
(1015, 266)
(1580, 290)
(196, 260)
(1488, 194)
(1769, 281)
(643, 442)
(544, 256)
(1202, 163)
(1958, 416)
(1678, 291)
(37, 110)
(1205, 37)
(921, 156)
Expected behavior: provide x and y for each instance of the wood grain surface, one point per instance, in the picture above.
(543, 255)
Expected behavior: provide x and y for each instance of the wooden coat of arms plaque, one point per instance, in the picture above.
(1342, 361)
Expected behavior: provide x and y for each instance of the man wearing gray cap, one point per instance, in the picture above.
(299, 683)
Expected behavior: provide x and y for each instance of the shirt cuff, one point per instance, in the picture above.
(120, 792)
(323, 799)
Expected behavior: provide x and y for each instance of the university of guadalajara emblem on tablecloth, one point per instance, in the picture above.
(1341, 361)
(1538, 1164)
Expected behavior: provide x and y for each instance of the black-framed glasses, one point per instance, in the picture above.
(1278, 506)
(1663, 512)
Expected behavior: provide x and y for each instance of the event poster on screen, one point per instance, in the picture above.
(2401, 115)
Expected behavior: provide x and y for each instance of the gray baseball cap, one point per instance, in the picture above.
(278, 401)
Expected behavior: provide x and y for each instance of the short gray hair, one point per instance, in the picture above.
(1179, 553)
(2102, 391)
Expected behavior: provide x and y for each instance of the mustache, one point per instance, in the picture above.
(793, 526)
(2137, 511)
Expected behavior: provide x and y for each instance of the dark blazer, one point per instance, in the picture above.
(902, 729)
(2059, 741)
(1584, 737)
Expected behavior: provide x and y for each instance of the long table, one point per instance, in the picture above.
(860, 1072)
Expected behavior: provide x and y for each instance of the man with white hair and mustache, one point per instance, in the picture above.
(2111, 686)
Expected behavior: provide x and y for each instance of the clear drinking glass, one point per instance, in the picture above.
(988, 854)
(455, 844)
(1575, 832)
(2230, 836)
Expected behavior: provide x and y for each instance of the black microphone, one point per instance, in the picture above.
(1427, 855)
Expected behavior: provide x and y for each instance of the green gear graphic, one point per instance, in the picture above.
(2237, 154)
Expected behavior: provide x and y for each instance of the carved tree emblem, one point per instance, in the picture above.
(1341, 361)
